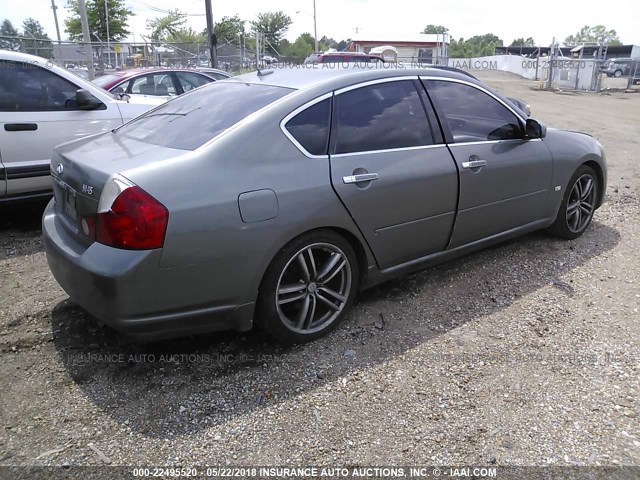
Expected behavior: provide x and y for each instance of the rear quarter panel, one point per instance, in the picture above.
(206, 233)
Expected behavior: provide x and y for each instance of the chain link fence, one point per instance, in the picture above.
(123, 55)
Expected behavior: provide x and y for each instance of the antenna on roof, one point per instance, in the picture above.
(262, 73)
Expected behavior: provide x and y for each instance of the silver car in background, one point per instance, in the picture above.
(271, 199)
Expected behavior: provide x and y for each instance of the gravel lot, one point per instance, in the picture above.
(523, 354)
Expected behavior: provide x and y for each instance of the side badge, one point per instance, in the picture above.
(59, 169)
(558, 188)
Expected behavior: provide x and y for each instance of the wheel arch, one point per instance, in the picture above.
(597, 168)
(356, 243)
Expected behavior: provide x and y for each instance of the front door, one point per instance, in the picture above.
(399, 184)
(37, 113)
(505, 178)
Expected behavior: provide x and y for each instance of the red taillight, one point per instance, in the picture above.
(136, 221)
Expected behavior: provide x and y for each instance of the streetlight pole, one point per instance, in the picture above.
(88, 50)
(210, 38)
(106, 17)
(315, 27)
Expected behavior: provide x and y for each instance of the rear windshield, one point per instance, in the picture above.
(190, 120)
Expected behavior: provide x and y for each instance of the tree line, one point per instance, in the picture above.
(272, 26)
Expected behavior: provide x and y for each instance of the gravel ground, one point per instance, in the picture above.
(523, 354)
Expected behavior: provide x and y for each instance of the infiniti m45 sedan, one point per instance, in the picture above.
(273, 198)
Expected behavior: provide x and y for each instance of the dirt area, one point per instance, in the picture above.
(523, 354)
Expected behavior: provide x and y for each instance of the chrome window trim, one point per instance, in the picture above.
(389, 150)
(486, 142)
(375, 82)
(478, 87)
(298, 110)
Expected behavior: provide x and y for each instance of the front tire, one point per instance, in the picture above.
(617, 73)
(578, 204)
(308, 287)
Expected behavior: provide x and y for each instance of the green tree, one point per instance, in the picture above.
(343, 44)
(477, 46)
(118, 20)
(228, 29)
(329, 42)
(435, 29)
(8, 30)
(37, 42)
(589, 34)
(302, 47)
(273, 26)
(521, 42)
(160, 28)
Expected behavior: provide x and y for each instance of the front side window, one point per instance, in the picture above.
(310, 127)
(189, 121)
(381, 117)
(30, 88)
(473, 115)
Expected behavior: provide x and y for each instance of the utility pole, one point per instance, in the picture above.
(86, 38)
(106, 17)
(211, 40)
(55, 17)
(315, 28)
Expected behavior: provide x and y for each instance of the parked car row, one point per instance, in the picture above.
(159, 82)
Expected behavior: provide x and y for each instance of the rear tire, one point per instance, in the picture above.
(578, 204)
(308, 287)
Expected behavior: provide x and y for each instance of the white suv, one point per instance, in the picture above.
(41, 106)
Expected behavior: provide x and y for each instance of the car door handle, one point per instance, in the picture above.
(474, 164)
(20, 127)
(362, 177)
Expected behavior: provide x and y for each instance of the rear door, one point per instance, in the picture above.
(505, 178)
(38, 112)
(391, 169)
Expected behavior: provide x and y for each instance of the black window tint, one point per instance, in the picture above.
(380, 117)
(30, 88)
(189, 121)
(311, 127)
(473, 115)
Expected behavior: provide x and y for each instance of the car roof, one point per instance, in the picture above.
(334, 76)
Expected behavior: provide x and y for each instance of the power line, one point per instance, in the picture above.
(166, 12)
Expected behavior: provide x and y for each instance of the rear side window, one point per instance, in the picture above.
(189, 121)
(381, 117)
(310, 127)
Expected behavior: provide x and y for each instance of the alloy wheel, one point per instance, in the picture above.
(313, 288)
(581, 203)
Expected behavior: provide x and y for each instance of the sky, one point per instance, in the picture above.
(341, 19)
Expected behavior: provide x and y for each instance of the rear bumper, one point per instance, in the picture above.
(128, 290)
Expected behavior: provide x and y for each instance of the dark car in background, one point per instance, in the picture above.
(622, 67)
(159, 81)
(272, 199)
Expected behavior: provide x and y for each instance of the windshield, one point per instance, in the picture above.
(106, 79)
(191, 120)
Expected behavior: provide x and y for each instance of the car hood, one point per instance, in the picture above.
(134, 107)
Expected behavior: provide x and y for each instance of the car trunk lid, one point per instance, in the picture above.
(81, 169)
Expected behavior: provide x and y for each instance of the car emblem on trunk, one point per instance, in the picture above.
(59, 169)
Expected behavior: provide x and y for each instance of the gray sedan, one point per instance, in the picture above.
(273, 198)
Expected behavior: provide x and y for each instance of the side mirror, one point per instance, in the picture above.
(535, 129)
(86, 101)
